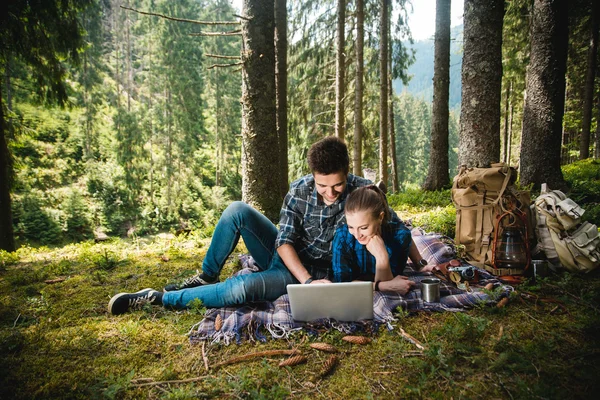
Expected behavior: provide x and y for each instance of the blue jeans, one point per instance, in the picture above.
(259, 234)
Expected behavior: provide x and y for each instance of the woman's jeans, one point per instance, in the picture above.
(259, 235)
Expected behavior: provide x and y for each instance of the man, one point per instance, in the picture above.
(299, 252)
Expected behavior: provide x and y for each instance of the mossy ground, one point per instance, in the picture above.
(58, 341)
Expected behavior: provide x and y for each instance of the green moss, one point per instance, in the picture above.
(60, 342)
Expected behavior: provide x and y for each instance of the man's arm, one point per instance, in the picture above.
(291, 260)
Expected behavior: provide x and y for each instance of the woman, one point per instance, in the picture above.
(371, 246)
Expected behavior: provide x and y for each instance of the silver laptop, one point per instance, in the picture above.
(350, 301)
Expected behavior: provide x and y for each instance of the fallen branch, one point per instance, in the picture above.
(57, 280)
(156, 383)
(579, 299)
(265, 353)
(411, 339)
(204, 356)
(192, 21)
(224, 65)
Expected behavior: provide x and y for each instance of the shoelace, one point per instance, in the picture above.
(139, 302)
(193, 280)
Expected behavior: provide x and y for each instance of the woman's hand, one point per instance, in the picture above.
(376, 247)
(399, 284)
(428, 268)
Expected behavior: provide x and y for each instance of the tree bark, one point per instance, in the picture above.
(437, 174)
(506, 118)
(383, 93)
(7, 240)
(260, 186)
(597, 151)
(392, 146)
(588, 99)
(479, 143)
(340, 84)
(281, 88)
(358, 100)
(544, 105)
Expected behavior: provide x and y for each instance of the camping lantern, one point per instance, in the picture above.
(510, 249)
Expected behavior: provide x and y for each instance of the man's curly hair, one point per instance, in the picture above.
(329, 156)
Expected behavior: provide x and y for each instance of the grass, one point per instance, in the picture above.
(58, 341)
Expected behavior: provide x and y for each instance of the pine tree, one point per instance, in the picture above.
(437, 177)
(544, 105)
(481, 83)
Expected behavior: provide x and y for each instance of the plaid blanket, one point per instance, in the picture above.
(257, 321)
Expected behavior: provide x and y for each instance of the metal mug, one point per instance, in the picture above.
(430, 289)
(539, 269)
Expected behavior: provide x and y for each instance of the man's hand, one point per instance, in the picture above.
(320, 281)
(376, 247)
(399, 284)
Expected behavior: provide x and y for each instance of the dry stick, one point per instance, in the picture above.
(224, 65)
(536, 320)
(220, 56)
(57, 280)
(196, 379)
(228, 33)
(193, 21)
(411, 339)
(579, 300)
(204, 356)
(265, 353)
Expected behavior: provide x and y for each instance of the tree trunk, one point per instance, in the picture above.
(392, 146)
(260, 186)
(506, 118)
(281, 88)
(588, 100)
(437, 175)
(358, 101)
(7, 240)
(383, 93)
(479, 144)
(340, 84)
(597, 152)
(544, 106)
(510, 133)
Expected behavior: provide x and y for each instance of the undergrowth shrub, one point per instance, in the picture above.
(434, 211)
(34, 223)
(584, 179)
(78, 226)
(7, 258)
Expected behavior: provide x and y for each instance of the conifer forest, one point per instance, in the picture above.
(127, 127)
(130, 116)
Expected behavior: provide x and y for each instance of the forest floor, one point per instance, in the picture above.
(57, 339)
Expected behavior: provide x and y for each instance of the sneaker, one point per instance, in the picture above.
(194, 281)
(123, 302)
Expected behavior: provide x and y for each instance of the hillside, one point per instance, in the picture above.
(421, 72)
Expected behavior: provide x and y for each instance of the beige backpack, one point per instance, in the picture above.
(566, 242)
(481, 195)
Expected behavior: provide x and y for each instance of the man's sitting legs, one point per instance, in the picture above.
(238, 219)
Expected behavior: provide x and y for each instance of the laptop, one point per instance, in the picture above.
(349, 301)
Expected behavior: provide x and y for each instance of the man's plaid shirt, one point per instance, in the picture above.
(308, 224)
